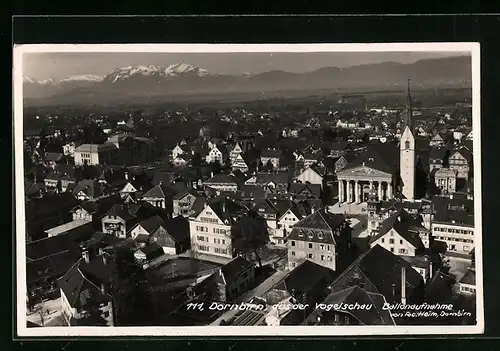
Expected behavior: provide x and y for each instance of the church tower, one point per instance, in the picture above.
(407, 151)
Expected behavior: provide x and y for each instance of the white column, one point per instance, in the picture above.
(349, 191)
(389, 191)
(380, 191)
(341, 198)
(356, 191)
(371, 185)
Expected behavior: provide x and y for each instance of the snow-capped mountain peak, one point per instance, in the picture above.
(32, 80)
(184, 68)
(83, 78)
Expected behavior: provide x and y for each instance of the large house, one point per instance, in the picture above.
(184, 201)
(310, 175)
(222, 182)
(461, 161)
(453, 223)
(85, 291)
(96, 154)
(210, 228)
(321, 237)
(121, 218)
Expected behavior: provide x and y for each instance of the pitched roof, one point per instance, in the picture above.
(226, 209)
(265, 178)
(453, 210)
(159, 191)
(403, 224)
(308, 277)
(81, 283)
(300, 188)
(221, 178)
(354, 294)
(321, 220)
(91, 188)
(53, 156)
(151, 224)
(178, 228)
(234, 268)
(383, 270)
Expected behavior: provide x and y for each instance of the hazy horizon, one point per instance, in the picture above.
(58, 66)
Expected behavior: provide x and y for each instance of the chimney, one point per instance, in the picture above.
(211, 174)
(103, 289)
(451, 196)
(403, 285)
(126, 175)
(85, 255)
(326, 209)
(312, 210)
(224, 206)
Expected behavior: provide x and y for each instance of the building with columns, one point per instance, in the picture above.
(369, 173)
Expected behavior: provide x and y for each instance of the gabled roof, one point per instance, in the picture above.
(178, 228)
(309, 278)
(82, 282)
(383, 270)
(402, 223)
(226, 209)
(159, 191)
(91, 188)
(265, 178)
(354, 294)
(151, 224)
(300, 188)
(321, 220)
(234, 268)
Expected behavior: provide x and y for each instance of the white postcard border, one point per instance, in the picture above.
(295, 331)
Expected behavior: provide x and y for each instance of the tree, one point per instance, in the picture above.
(249, 234)
(131, 297)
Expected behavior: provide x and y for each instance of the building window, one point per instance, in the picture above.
(392, 249)
(292, 253)
(322, 247)
(382, 240)
(310, 245)
(391, 241)
(401, 241)
(407, 144)
(322, 257)
(311, 256)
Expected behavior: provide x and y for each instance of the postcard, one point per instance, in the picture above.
(248, 190)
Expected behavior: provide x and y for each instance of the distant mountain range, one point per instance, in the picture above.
(184, 79)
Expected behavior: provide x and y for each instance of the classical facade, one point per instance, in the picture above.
(357, 183)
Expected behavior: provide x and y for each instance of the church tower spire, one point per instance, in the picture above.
(407, 150)
(408, 116)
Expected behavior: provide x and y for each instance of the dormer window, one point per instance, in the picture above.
(407, 144)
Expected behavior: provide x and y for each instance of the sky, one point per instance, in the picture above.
(58, 66)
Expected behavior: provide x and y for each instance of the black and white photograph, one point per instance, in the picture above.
(261, 190)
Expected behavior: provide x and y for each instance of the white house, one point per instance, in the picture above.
(310, 175)
(210, 229)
